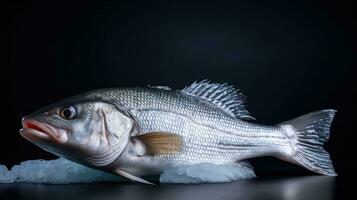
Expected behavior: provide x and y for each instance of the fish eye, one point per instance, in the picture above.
(67, 112)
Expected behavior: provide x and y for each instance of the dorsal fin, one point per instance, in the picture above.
(160, 87)
(224, 96)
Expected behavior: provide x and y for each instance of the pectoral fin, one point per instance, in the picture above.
(161, 143)
(132, 177)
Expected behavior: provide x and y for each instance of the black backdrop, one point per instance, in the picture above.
(288, 57)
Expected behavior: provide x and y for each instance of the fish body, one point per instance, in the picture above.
(207, 132)
(144, 131)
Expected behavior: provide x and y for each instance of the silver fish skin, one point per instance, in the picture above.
(143, 131)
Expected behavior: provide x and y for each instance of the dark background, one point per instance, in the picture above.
(288, 57)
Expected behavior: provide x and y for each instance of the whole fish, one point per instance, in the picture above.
(143, 131)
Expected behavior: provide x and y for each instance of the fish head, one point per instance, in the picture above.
(90, 132)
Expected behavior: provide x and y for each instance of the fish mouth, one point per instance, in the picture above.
(34, 131)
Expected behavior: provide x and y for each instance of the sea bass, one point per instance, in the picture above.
(137, 131)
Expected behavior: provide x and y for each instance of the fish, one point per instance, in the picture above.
(139, 131)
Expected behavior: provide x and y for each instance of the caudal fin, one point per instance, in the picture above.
(308, 134)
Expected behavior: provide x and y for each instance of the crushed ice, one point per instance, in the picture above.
(207, 173)
(63, 171)
(59, 171)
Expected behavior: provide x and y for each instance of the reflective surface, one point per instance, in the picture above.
(307, 187)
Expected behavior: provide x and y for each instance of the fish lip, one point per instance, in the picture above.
(35, 130)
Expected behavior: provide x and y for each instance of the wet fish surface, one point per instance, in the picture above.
(137, 131)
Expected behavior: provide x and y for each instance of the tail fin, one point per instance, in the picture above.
(308, 134)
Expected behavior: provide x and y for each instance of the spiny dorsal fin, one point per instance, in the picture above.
(224, 96)
(160, 87)
(160, 143)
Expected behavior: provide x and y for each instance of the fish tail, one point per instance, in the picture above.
(308, 134)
